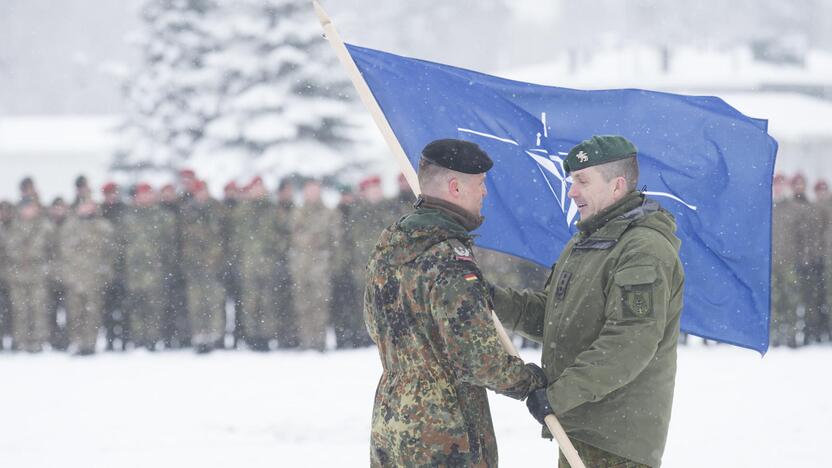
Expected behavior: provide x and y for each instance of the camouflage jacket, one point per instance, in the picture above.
(367, 221)
(149, 233)
(27, 250)
(202, 243)
(313, 241)
(255, 238)
(609, 323)
(427, 308)
(88, 250)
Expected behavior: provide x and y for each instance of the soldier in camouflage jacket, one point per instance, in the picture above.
(428, 310)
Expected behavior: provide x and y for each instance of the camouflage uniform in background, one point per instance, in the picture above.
(148, 232)
(345, 297)
(826, 207)
(176, 329)
(785, 253)
(255, 240)
(202, 263)
(231, 272)
(287, 327)
(814, 291)
(89, 252)
(429, 311)
(5, 300)
(810, 268)
(56, 289)
(27, 249)
(115, 320)
(310, 260)
(367, 221)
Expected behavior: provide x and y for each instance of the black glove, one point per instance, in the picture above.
(538, 405)
(538, 379)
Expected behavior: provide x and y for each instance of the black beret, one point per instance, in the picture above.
(458, 155)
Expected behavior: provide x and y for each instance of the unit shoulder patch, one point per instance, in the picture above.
(461, 251)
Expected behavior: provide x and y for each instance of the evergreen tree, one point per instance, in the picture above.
(240, 86)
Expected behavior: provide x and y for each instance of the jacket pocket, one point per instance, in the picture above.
(636, 284)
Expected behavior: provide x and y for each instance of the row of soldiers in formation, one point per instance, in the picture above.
(179, 268)
(175, 268)
(801, 267)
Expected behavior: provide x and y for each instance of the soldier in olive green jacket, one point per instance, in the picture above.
(609, 316)
(428, 310)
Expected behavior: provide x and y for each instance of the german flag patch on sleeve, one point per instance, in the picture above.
(471, 277)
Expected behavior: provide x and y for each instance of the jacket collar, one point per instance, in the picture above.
(611, 222)
(455, 213)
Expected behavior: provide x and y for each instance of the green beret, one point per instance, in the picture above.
(599, 149)
(458, 155)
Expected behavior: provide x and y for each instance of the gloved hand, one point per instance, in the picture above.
(538, 379)
(538, 404)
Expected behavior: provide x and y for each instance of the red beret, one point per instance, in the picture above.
(109, 187)
(142, 187)
(369, 182)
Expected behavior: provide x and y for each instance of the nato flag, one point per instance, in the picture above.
(704, 161)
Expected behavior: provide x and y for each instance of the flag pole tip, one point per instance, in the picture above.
(322, 16)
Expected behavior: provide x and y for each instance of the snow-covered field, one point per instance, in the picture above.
(297, 409)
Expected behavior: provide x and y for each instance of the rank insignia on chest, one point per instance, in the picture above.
(470, 277)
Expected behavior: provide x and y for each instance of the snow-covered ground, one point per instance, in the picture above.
(298, 409)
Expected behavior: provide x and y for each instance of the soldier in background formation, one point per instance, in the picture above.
(6, 217)
(202, 264)
(26, 246)
(115, 315)
(310, 264)
(254, 242)
(58, 212)
(150, 231)
(800, 268)
(88, 247)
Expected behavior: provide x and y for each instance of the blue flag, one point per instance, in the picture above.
(704, 161)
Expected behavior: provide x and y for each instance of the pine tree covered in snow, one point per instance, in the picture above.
(239, 87)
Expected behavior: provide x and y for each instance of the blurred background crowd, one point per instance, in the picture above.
(801, 267)
(172, 267)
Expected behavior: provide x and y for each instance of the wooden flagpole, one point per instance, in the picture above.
(331, 35)
(369, 101)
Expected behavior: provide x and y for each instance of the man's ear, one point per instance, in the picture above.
(453, 186)
(621, 185)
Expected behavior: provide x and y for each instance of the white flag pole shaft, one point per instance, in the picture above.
(366, 95)
(369, 101)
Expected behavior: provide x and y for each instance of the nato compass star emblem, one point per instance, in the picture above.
(550, 166)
